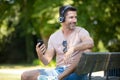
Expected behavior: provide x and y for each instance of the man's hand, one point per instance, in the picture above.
(69, 53)
(60, 77)
(40, 50)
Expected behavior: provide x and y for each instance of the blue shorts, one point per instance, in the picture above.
(59, 70)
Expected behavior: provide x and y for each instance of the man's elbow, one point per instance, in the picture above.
(91, 44)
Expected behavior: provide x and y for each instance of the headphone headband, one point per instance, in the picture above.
(62, 13)
(62, 18)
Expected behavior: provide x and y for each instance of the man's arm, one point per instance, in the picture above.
(71, 68)
(87, 43)
(44, 55)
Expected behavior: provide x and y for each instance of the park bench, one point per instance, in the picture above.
(98, 61)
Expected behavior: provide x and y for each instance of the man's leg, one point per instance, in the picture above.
(74, 76)
(30, 75)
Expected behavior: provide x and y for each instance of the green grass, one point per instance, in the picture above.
(13, 72)
(6, 76)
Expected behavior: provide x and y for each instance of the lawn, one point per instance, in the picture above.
(8, 76)
(13, 72)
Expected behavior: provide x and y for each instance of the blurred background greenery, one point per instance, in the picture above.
(22, 22)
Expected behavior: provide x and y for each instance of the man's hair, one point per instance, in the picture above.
(64, 9)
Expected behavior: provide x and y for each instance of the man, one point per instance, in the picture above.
(67, 44)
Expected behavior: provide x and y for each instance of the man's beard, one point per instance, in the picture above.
(72, 26)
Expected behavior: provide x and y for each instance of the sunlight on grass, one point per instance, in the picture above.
(5, 76)
(13, 72)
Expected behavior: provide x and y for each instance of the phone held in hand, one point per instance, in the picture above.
(40, 41)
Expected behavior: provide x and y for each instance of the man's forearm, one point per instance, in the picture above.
(67, 72)
(71, 68)
(47, 57)
(43, 59)
(84, 45)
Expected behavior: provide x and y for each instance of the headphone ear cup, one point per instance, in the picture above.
(61, 19)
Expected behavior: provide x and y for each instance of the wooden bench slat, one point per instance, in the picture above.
(98, 61)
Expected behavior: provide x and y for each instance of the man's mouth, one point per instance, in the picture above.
(73, 24)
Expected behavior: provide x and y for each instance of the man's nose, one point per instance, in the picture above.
(75, 20)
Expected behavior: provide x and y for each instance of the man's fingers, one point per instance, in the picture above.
(43, 48)
(37, 46)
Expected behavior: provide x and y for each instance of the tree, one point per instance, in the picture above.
(101, 18)
(23, 21)
(26, 21)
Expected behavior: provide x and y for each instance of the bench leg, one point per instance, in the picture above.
(90, 75)
(106, 75)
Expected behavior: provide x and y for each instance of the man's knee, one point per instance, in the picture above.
(24, 76)
(30, 75)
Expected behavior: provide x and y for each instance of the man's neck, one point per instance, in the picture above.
(66, 32)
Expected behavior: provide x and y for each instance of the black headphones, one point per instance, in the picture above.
(62, 17)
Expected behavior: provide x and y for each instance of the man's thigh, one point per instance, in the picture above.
(30, 75)
(74, 76)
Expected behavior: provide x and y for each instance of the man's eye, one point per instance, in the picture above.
(71, 17)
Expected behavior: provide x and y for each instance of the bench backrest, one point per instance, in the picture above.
(98, 61)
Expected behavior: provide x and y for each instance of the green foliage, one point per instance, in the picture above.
(38, 62)
(101, 19)
(23, 21)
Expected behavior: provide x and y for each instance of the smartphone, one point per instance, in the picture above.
(40, 41)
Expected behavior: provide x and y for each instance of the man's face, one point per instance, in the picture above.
(71, 19)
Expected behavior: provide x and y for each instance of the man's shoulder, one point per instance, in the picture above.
(56, 33)
(79, 28)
